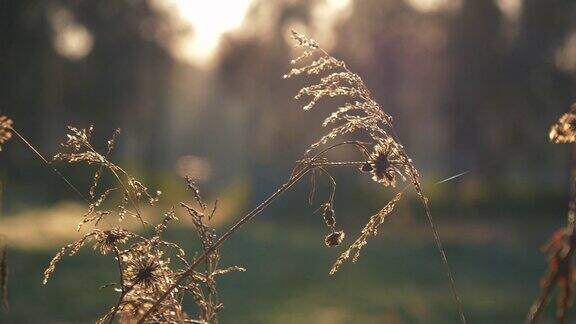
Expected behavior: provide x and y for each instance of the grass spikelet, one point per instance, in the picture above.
(370, 229)
(78, 148)
(5, 130)
(70, 249)
(564, 130)
(148, 266)
(384, 157)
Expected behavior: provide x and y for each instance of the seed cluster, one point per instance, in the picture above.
(564, 130)
(5, 129)
(383, 157)
(334, 238)
(148, 265)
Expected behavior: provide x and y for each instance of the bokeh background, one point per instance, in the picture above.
(197, 89)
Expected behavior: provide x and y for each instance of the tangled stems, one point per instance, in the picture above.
(49, 165)
(300, 171)
(302, 168)
(362, 113)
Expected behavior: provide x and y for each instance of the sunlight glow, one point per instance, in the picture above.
(209, 20)
(429, 6)
(510, 8)
(326, 16)
(72, 40)
(196, 167)
(566, 54)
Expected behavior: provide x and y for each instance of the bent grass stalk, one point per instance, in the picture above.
(294, 178)
(383, 157)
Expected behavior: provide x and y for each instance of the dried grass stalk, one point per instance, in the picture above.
(5, 129)
(148, 266)
(361, 117)
(561, 246)
(370, 229)
(4, 273)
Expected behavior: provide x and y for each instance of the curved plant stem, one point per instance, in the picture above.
(296, 175)
(113, 170)
(300, 170)
(440, 247)
(124, 290)
(435, 234)
(43, 159)
(224, 237)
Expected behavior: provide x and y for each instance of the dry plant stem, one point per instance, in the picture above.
(120, 270)
(130, 198)
(539, 304)
(567, 302)
(68, 182)
(294, 178)
(4, 274)
(120, 299)
(58, 173)
(224, 237)
(424, 201)
(444, 260)
(123, 186)
(436, 234)
(438, 242)
(561, 316)
(333, 164)
(124, 290)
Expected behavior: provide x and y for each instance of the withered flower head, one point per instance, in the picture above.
(334, 238)
(108, 240)
(145, 268)
(5, 130)
(146, 273)
(384, 163)
(564, 130)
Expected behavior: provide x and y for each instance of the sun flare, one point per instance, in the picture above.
(208, 20)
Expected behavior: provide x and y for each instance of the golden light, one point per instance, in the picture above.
(428, 6)
(510, 8)
(196, 167)
(326, 15)
(566, 54)
(209, 20)
(71, 39)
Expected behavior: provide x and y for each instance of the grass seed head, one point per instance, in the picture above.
(334, 239)
(5, 130)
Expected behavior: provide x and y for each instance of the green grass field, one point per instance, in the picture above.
(398, 279)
